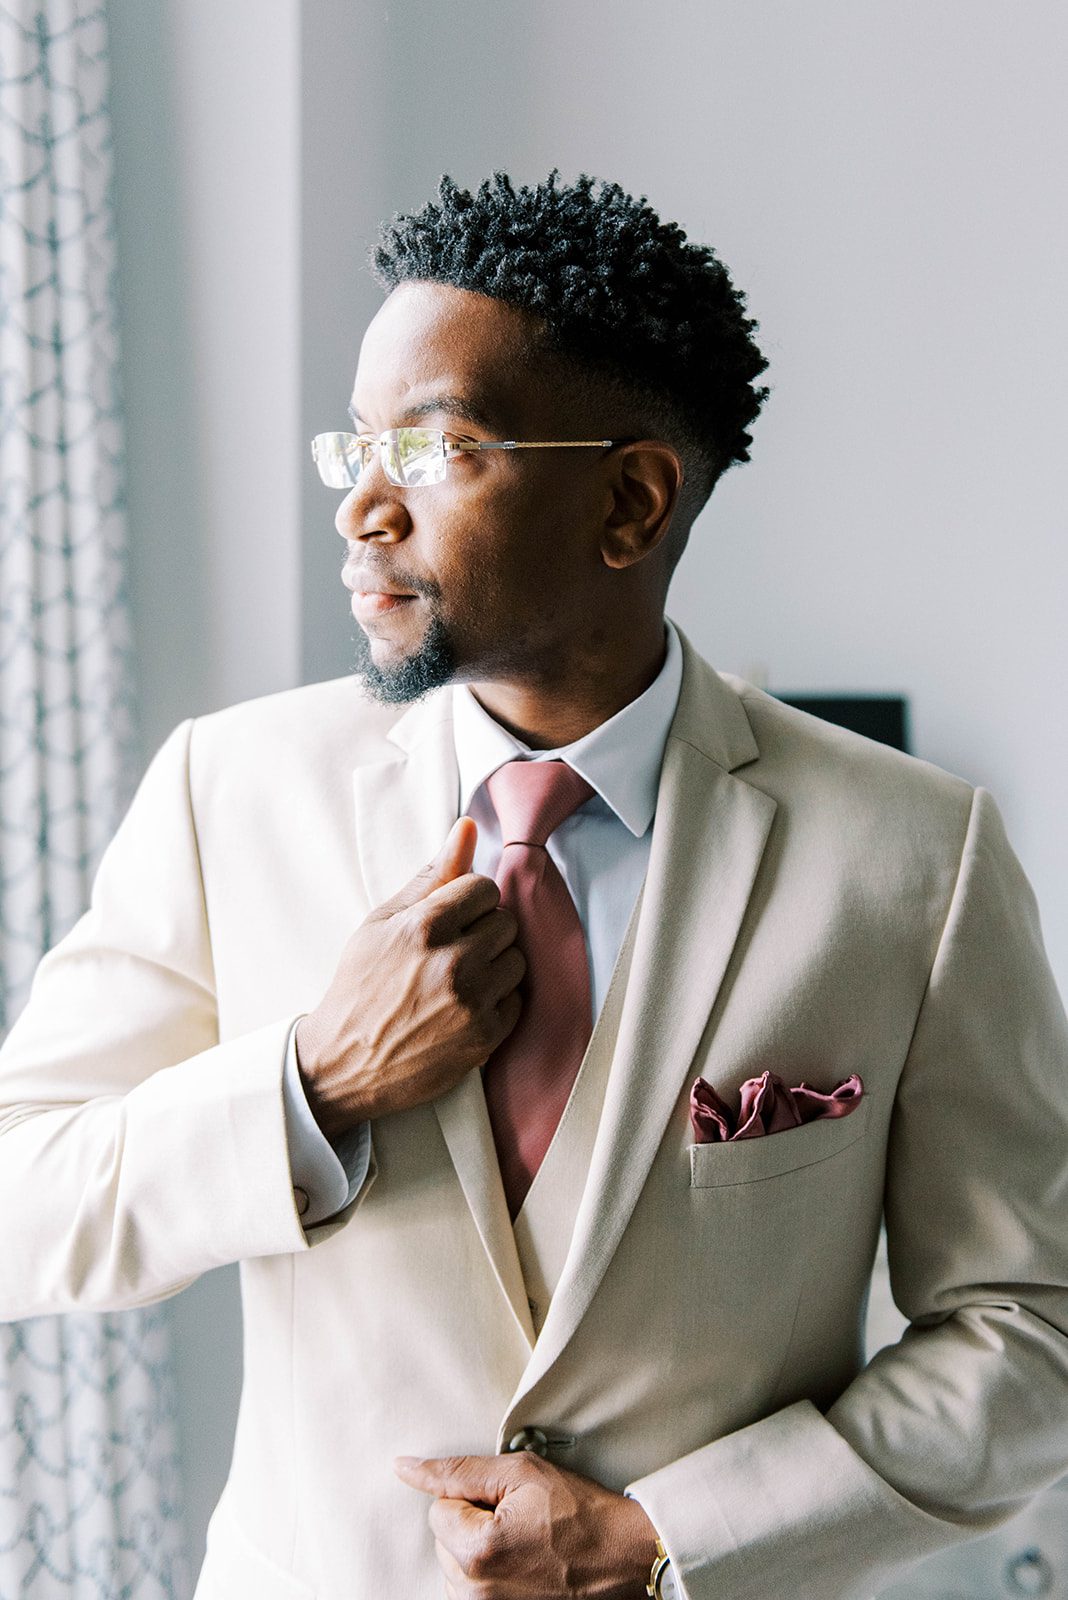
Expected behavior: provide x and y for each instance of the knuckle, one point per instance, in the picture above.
(511, 973)
(411, 918)
(482, 1554)
(479, 1565)
(436, 920)
(439, 1521)
(457, 978)
(489, 890)
(485, 1031)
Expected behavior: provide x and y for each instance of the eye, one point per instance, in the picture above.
(458, 450)
(420, 456)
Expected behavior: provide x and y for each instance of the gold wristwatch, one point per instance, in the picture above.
(662, 1585)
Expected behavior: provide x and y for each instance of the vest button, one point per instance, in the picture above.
(531, 1439)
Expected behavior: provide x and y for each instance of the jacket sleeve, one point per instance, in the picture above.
(136, 1151)
(949, 1432)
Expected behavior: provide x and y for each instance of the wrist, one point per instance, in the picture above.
(332, 1119)
(640, 1546)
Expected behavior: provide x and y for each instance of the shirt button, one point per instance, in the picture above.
(301, 1197)
(531, 1439)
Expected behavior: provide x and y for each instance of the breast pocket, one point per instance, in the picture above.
(771, 1155)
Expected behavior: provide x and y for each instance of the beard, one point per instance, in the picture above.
(430, 666)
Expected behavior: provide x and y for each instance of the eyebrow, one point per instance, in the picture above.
(453, 405)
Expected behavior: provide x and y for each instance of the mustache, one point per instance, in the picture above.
(392, 577)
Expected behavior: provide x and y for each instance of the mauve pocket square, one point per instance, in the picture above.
(767, 1106)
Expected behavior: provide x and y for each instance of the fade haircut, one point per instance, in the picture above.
(619, 295)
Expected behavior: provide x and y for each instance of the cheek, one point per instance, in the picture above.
(480, 535)
(507, 546)
(459, 555)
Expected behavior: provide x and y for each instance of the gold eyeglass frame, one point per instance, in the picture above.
(451, 446)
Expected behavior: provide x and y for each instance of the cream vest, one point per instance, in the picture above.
(546, 1221)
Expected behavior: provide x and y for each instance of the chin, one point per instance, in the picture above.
(395, 677)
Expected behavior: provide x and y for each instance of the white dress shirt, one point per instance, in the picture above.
(602, 851)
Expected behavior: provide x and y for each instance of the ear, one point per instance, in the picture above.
(645, 480)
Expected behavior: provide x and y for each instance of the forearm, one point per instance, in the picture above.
(126, 1198)
(924, 1449)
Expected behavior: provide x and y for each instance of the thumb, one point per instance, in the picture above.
(457, 853)
(484, 1480)
(452, 861)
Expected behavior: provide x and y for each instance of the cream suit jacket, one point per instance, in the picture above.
(814, 904)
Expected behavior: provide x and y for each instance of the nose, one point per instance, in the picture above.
(373, 509)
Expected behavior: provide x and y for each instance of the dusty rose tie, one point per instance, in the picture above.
(528, 1078)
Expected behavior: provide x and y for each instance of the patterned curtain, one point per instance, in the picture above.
(89, 1493)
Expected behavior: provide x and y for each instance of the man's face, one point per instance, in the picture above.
(495, 573)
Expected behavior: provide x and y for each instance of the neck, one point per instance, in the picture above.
(561, 706)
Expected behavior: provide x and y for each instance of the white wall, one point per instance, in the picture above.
(886, 181)
(206, 116)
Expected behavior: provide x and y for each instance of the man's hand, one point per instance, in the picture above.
(515, 1527)
(425, 990)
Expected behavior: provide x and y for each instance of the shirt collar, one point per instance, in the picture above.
(621, 758)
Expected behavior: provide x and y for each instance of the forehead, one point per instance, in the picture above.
(429, 339)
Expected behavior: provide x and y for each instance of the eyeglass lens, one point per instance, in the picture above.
(411, 457)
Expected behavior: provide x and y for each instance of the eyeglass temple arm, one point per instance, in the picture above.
(529, 444)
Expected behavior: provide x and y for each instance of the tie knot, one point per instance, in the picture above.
(532, 798)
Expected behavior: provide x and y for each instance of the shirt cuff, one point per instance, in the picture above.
(330, 1175)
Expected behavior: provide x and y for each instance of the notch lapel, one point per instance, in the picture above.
(407, 800)
(405, 805)
(709, 835)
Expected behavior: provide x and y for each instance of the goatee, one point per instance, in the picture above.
(429, 667)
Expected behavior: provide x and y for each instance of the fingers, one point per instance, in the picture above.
(452, 861)
(508, 1015)
(491, 933)
(486, 962)
(506, 973)
(457, 1524)
(483, 1479)
(461, 1533)
(449, 910)
(455, 1576)
(458, 852)
(466, 1489)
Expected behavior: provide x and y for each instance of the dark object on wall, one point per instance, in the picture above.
(878, 716)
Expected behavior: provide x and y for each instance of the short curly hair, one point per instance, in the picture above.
(619, 293)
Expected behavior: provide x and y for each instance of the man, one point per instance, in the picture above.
(442, 1113)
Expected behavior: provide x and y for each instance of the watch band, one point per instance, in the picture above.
(661, 1562)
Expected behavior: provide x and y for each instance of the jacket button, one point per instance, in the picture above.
(531, 1439)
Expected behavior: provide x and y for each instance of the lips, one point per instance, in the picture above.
(370, 583)
(377, 602)
(372, 598)
(373, 586)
